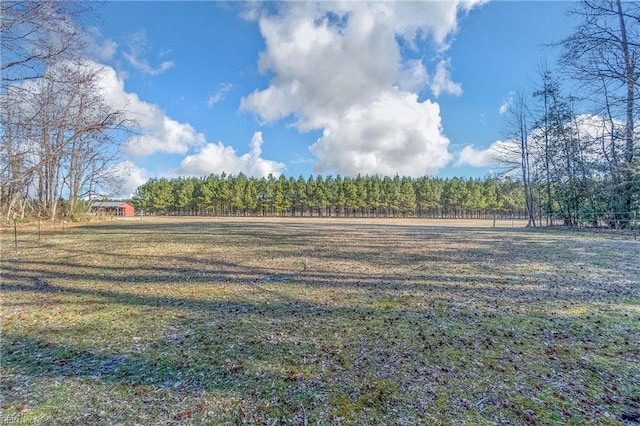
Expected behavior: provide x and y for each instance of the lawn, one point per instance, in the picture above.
(319, 321)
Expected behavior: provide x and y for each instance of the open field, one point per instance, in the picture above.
(311, 321)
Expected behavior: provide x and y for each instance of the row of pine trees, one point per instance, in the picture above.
(368, 196)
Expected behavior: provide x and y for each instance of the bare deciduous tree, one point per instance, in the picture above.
(519, 123)
(59, 135)
(77, 144)
(35, 33)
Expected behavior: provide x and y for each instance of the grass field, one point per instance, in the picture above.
(310, 321)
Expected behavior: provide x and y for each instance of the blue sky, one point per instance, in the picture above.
(413, 88)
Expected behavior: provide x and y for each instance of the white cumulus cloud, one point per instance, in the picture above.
(218, 158)
(157, 132)
(489, 157)
(395, 134)
(338, 67)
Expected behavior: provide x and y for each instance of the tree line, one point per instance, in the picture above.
(361, 196)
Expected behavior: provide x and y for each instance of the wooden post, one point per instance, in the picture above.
(15, 232)
(38, 227)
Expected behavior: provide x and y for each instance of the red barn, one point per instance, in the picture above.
(115, 208)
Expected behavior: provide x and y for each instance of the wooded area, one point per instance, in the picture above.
(574, 141)
(369, 196)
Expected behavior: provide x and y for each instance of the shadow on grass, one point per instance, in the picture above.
(488, 280)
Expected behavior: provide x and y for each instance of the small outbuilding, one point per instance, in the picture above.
(113, 208)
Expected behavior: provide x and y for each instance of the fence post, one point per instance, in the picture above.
(38, 227)
(15, 232)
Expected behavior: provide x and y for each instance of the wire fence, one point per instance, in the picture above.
(31, 233)
(629, 221)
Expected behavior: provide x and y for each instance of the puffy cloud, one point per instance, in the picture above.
(489, 157)
(596, 127)
(164, 135)
(435, 19)
(324, 62)
(338, 67)
(395, 134)
(218, 158)
(158, 133)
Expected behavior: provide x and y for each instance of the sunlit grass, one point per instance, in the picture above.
(319, 321)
